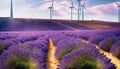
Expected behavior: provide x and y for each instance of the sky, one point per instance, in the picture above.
(105, 10)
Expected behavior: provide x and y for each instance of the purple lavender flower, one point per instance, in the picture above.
(58, 38)
(68, 45)
(37, 49)
(86, 58)
(107, 43)
(5, 44)
(78, 34)
(38, 45)
(17, 58)
(2, 48)
(5, 36)
(25, 38)
(115, 49)
(96, 38)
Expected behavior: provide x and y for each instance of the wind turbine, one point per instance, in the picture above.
(11, 9)
(72, 9)
(51, 9)
(83, 7)
(79, 8)
(118, 5)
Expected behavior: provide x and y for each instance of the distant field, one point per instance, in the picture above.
(84, 49)
(19, 24)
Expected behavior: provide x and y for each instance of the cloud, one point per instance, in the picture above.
(39, 9)
(109, 9)
(60, 8)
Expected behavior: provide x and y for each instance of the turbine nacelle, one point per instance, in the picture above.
(118, 6)
(71, 7)
(117, 3)
(50, 7)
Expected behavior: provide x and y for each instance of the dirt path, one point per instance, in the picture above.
(114, 59)
(52, 62)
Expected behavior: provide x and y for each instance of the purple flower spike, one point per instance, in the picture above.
(115, 50)
(107, 43)
(96, 38)
(67, 45)
(86, 58)
(17, 58)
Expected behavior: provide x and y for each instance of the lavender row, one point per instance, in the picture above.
(86, 58)
(115, 49)
(24, 50)
(92, 36)
(66, 46)
(23, 55)
(19, 38)
(107, 43)
(16, 58)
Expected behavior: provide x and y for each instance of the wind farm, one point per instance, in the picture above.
(77, 9)
(68, 34)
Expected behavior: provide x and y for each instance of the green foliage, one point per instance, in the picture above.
(66, 51)
(19, 63)
(85, 63)
(118, 53)
(2, 48)
(108, 45)
(25, 47)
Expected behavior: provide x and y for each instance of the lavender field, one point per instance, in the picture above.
(85, 49)
(59, 44)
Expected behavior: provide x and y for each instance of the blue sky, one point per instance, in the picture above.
(96, 9)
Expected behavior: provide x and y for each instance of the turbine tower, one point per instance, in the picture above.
(51, 9)
(11, 9)
(118, 5)
(83, 7)
(79, 9)
(72, 9)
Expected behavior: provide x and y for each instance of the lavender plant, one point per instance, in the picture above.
(96, 38)
(17, 58)
(86, 58)
(5, 44)
(68, 45)
(115, 49)
(5, 36)
(78, 34)
(107, 43)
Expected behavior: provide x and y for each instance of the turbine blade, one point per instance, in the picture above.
(75, 8)
(84, 2)
(72, 3)
(116, 3)
(84, 7)
(52, 3)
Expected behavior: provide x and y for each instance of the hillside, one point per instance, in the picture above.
(20, 24)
